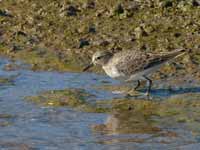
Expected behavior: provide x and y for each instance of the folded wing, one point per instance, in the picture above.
(140, 61)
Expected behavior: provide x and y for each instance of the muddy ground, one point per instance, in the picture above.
(62, 35)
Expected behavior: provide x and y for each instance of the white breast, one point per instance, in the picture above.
(112, 71)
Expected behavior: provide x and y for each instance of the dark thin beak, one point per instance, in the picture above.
(88, 67)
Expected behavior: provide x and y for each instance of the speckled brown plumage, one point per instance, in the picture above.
(131, 62)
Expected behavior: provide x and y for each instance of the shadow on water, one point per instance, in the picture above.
(165, 93)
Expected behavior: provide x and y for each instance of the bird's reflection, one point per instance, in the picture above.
(138, 125)
(127, 122)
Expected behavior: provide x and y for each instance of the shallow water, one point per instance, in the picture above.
(25, 125)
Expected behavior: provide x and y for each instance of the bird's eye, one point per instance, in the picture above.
(98, 58)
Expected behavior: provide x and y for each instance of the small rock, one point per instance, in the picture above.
(34, 66)
(166, 3)
(148, 28)
(33, 40)
(133, 6)
(139, 32)
(104, 43)
(100, 13)
(131, 9)
(81, 29)
(83, 43)
(177, 35)
(119, 9)
(90, 5)
(14, 48)
(143, 47)
(4, 13)
(195, 2)
(72, 10)
(184, 5)
(2, 32)
(20, 33)
(92, 29)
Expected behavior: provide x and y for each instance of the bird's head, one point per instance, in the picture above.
(99, 58)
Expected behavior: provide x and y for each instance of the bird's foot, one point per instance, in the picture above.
(147, 94)
(132, 94)
(128, 96)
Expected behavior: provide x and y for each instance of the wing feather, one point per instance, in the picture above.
(139, 61)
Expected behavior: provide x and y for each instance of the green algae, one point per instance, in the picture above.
(73, 98)
(4, 80)
(182, 104)
(7, 80)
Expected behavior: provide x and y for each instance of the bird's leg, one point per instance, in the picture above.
(149, 85)
(138, 85)
(129, 95)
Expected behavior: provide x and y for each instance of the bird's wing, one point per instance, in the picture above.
(131, 62)
(139, 61)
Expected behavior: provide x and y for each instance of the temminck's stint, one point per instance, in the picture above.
(132, 65)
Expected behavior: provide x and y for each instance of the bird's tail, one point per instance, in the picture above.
(176, 53)
(165, 57)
